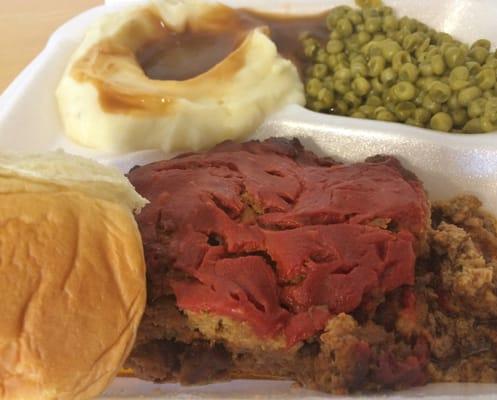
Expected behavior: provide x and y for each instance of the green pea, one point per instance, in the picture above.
(453, 103)
(376, 86)
(358, 114)
(390, 35)
(374, 49)
(473, 126)
(361, 86)
(482, 43)
(388, 76)
(319, 71)
(311, 46)
(459, 117)
(442, 37)
(358, 69)
(341, 87)
(458, 84)
(431, 105)
(491, 62)
(355, 17)
(437, 64)
(444, 79)
(459, 73)
(433, 51)
(389, 49)
(344, 27)
(358, 57)
(425, 82)
(385, 115)
(404, 110)
(426, 69)
(341, 107)
(487, 125)
(321, 56)
(473, 67)
(400, 59)
(360, 28)
(342, 58)
(363, 37)
(476, 108)
(441, 122)
(418, 100)
(373, 24)
(335, 35)
(490, 112)
(431, 33)
(343, 74)
(408, 24)
(332, 61)
(335, 15)
(398, 36)
(379, 37)
(486, 78)
(313, 87)
(467, 95)
(421, 115)
(404, 91)
(454, 57)
(367, 110)
(421, 50)
(422, 57)
(443, 47)
(352, 43)
(413, 122)
(334, 46)
(352, 99)
(316, 105)
(389, 102)
(328, 82)
(376, 65)
(390, 23)
(326, 97)
(374, 101)
(439, 92)
(408, 72)
(412, 41)
(368, 12)
(479, 54)
(387, 10)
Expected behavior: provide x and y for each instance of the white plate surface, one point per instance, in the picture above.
(448, 164)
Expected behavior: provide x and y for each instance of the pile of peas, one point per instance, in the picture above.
(378, 66)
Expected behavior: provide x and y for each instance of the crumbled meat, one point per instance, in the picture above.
(265, 261)
(457, 284)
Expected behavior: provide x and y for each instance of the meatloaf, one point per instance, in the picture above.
(267, 261)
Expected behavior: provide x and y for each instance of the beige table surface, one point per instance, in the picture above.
(25, 26)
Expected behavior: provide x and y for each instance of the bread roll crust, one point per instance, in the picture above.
(72, 293)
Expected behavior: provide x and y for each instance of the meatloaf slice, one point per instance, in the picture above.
(266, 260)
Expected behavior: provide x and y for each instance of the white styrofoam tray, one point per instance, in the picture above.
(448, 164)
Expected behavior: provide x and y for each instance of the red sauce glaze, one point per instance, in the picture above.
(271, 234)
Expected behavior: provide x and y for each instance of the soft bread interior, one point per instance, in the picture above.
(58, 171)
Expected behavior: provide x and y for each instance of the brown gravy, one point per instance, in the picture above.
(184, 55)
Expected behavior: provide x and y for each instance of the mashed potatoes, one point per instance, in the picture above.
(107, 101)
